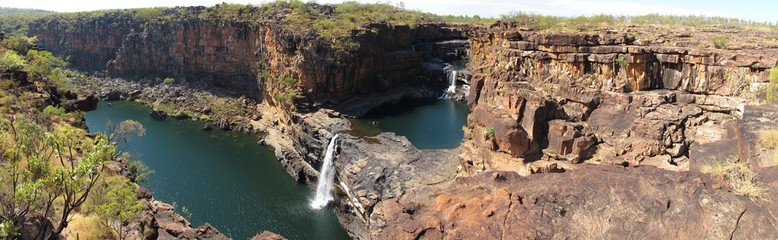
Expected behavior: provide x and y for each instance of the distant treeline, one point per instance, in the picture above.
(544, 22)
(332, 21)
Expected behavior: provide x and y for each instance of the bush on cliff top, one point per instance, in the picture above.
(555, 23)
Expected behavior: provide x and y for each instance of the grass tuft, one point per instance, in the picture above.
(740, 178)
(769, 138)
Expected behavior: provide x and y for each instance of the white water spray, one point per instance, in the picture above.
(326, 177)
(452, 87)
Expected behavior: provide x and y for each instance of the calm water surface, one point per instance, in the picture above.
(428, 124)
(222, 178)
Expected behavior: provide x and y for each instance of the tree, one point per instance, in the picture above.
(118, 204)
(10, 61)
(35, 183)
(74, 180)
(120, 134)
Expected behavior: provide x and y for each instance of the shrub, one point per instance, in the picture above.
(19, 42)
(11, 61)
(118, 204)
(140, 172)
(169, 80)
(8, 230)
(720, 42)
(490, 132)
(53, 111)
(44, 64)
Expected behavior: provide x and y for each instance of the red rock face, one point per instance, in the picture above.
(252, 57)
(574, 97)
(221, 52)
(89, 42)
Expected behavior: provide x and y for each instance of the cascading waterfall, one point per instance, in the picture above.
(326, 178)
(452, 87)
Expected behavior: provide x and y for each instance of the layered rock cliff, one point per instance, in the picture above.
(603, 97)
(253, 55)
(88, 41)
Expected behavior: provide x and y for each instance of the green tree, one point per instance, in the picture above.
(120, 134)
(19, 42)
(10, 61)
(43, 63)
(37, 186)
(118, 204)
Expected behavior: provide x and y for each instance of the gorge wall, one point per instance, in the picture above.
(604, 97)
(253, 56)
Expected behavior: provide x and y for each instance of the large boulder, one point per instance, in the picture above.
(81, 103)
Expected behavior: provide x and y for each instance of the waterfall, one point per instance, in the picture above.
(452, 87)
(326, 177)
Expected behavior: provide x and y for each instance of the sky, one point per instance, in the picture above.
(757, 10)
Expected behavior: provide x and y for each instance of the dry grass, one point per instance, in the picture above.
(740, 178)
(87, 227)
(769, 138)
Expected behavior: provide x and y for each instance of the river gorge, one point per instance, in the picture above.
(435, 129)
(222, 178)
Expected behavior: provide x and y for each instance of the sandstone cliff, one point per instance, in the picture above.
(604, 97)
(255, 54)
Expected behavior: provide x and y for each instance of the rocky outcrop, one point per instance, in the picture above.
(267, 235)
(602, 97)
(159, 115)
(600, 202)
(81, 103)
(170, 225)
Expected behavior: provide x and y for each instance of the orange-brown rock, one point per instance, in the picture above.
(605, 202)
(628, 103)
(253, 56)
(268, 235)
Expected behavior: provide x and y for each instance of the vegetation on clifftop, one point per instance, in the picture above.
(48, 167)
(585, 23)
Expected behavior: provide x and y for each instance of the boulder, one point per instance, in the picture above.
(267, 235)
(81, 103)
(158, 114)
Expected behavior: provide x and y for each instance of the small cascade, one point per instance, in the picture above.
(326, 177)
(452, 87)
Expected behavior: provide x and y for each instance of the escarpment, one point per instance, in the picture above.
(254, 55)
(556, 104)
(603, 97)
(219, 52)
(89, 41)
(310, 72)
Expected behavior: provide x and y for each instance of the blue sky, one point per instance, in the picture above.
(758, 10)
